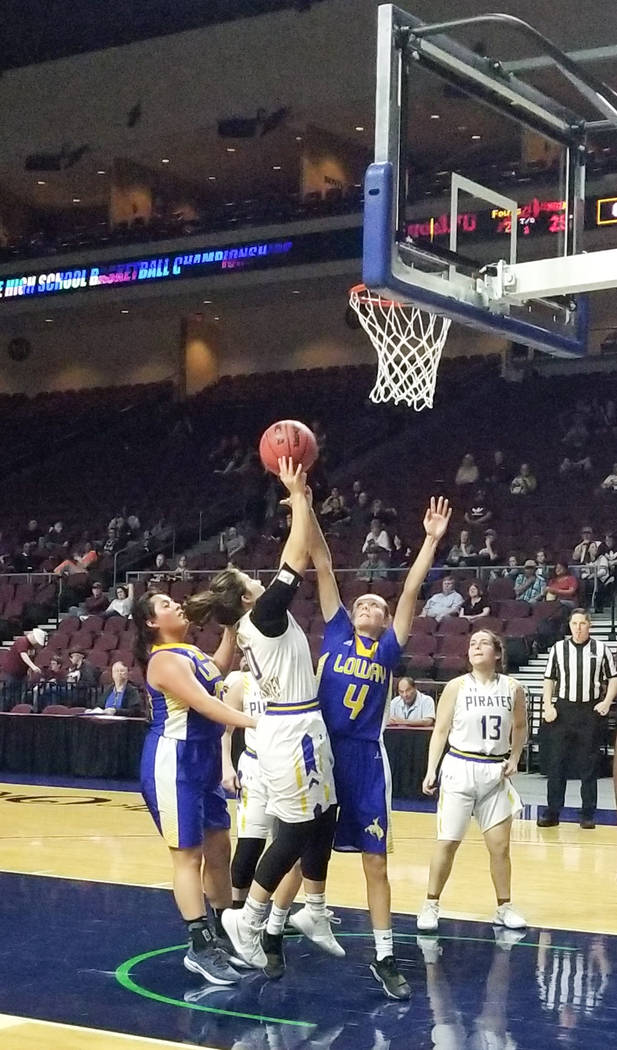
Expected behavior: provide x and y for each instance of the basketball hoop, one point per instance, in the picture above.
(409, 342)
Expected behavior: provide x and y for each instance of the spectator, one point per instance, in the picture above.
(386, 515)
(18, 660)
(81, 675)
(446, 602)
(281, 528)
(573, 466)
(133, 525)
(523, 483)
(122, 698)
(112, 543)
(579, 669)
(584, 555)
(337, 515)
(373, 567)
(231, 542)
(360, 512)
(377, 538)
(401, 555)
(528, 587)
(32, 533)
(479, 512)
(122, 604)
(410, 707)
(476, 605)
(182, 572)
(511, 570)
(356, 489)
(489, 554)
(235, 458)
(56, 536)
(542, 570)
(463, 552)
(608, 549)
(610, 482)
(78, 562)
(24, 561)
(562, 586)
(497, 471)
(576, 437)
(51, 687)
(161, 569)
(467, 473)
(335, 499)
(97, 602)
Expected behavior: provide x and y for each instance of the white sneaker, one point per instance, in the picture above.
(428, 917)
(245, 939)
(507, 916)
(317, 930)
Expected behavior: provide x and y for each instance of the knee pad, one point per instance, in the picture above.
(248, 852)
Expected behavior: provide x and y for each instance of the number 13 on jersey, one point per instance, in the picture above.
(355, 699)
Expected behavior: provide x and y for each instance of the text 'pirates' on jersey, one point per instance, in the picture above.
(483, 715)
(171, 717)
(355, 678)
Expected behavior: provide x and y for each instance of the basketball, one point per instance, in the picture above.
(288, 438)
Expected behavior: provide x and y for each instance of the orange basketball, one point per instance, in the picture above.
(288, 438)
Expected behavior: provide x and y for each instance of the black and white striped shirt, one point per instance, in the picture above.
(580, 671)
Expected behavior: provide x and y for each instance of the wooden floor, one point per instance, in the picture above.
(108, 837)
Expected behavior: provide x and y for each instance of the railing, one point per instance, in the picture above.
(43, 694)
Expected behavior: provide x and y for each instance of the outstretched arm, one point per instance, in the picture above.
(329, 597)
(296, 550)
(436, 522)
(233, 698)
(173, 674)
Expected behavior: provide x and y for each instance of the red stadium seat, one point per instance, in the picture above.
(453, 625)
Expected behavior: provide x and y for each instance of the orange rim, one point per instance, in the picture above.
(365, 295)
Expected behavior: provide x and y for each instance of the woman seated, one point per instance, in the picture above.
(475, 605)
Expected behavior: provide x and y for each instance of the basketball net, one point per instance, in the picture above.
(409, 342)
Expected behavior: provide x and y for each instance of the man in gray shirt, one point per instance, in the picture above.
(444, 603)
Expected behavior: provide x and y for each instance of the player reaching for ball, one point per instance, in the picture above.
(359, 654)
(483, 717)
(291, 740)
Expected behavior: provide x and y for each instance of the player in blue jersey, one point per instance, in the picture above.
(359, 654)
(181, 771)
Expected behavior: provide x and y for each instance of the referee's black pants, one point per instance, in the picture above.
(574, 731)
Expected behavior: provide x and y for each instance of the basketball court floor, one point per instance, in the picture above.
(91, 951)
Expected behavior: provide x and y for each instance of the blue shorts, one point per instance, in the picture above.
(181, 786)
(363, 791)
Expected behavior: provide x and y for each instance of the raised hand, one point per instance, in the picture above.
(437, 518)
(293, 477)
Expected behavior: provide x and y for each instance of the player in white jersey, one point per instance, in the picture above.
(253, 823)
(292, 744)
(482, 715)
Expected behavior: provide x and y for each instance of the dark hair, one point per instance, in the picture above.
(222, 602)
(498, 646)
(145, 637)
(580, 612)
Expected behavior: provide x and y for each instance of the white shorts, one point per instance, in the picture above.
(252, 821)
(295, 761)
(469, 788)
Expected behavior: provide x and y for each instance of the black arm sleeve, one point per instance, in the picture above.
(269, 614)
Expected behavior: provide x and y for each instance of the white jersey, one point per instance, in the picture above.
(483, 716)
(253, 703)
(282, 667)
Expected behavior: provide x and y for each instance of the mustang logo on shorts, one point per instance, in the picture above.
(375, 829)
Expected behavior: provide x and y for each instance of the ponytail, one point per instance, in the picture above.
(222, 602)
(145, 638)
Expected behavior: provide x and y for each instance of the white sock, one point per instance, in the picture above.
(316, 905)
(276, 920)
(254, 912)
(384, 944)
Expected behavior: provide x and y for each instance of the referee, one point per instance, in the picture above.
(578, 670)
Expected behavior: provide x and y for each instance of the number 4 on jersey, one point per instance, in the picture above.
(353, 702)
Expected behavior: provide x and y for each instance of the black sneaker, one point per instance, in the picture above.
(393, 983)
(211, 963)
(272, 944)
(547, 819)
(588, 822)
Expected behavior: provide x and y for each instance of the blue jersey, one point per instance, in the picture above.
(172, 717)
(355, 679)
